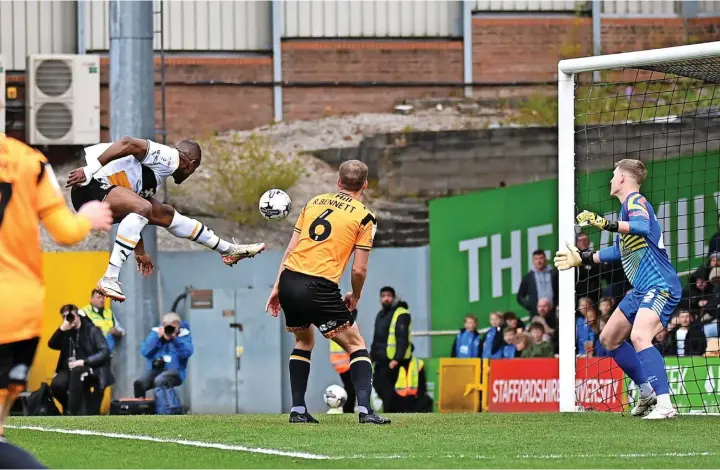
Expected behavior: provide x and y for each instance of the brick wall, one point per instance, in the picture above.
(366, 61)
(198, 110)
(527, 49)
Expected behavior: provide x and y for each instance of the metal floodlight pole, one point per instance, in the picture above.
(132, 112)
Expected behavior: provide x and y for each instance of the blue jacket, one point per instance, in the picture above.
(467, 344)
(508, 351)
(175, 353)
(493, 343)
(583, 333)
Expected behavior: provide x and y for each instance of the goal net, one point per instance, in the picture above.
(660, 106)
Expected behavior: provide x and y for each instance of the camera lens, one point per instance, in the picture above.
(70, 317)
(169, 330)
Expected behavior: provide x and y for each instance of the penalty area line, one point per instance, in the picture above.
(182, 442)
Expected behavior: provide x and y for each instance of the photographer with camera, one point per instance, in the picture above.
(167, 349)
(83, 369)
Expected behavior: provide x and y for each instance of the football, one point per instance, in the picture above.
(275, 204)
(335, 396)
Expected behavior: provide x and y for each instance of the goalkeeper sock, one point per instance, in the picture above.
(185, 227)
(299, 373)
(628, 360)
(653, 363)
(361, 375)
(128, 235)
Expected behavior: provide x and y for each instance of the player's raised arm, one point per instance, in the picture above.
(65, 227)
(121, 148)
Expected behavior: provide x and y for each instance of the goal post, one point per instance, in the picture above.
(654, 105)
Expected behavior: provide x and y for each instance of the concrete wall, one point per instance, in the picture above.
(406, 269)
(429, 164)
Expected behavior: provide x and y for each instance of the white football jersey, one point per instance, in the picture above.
(142, 177)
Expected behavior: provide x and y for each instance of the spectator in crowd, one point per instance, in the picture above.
(468, 342)
(698, 296)
(493, 340)
(103, 318)
(539, 346)
(390, 347)
(546, 317)
(83, 369)
(598, 348)
(606, 306)
(711, 319)
(586, 331)
(509, 350)
(587, 277)
(661, 341)
(411, 387)
(714, 243)
(686, 339)
(583, 304)
(512, 321)
(167, 349)
(522, 344)
(540, 282)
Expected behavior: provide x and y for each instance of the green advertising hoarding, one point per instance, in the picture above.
(481, 244)
(694, 384)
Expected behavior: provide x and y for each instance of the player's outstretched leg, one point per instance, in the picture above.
(181, 226)
(361, 373)
(133, 213)
(299, 373)
(647, 325)
(613, 338)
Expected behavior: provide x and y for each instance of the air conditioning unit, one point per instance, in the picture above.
(63, 99)
(3, 95)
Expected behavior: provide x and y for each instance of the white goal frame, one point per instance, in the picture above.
(567, 69)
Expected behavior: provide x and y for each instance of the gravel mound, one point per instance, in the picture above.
(292, 139)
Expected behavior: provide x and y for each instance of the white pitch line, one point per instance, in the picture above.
(182, 442)
(310, 456)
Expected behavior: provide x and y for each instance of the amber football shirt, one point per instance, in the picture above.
(331, 227)
(29, 193)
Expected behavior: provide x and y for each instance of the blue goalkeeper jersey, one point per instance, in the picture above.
(642, 251)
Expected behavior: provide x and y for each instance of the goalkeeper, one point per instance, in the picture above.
(656, 292)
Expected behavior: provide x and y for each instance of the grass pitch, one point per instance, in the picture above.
(582, 440)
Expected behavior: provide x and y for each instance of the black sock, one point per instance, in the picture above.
(15, 457)
(361, 374)
(299, 373)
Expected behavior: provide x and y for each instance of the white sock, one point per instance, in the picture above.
(298, 409)
(185, 227)
(645, 390)
(128, 235)
(664, 400)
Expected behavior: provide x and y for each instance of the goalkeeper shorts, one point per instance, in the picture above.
(659, 300)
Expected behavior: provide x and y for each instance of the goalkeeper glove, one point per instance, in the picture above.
(586, 218)
(572, 257)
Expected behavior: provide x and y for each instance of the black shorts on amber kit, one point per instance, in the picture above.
(310, 300)
(15, 361)
(94, 191)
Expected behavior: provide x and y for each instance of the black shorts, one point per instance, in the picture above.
(310, 300)
(94, 191)
(15, 361)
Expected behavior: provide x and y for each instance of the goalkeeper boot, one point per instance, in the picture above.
(662, 412)
(238, 252)
(372, 418)
(644, 405)
(306, 418)
(111, 287)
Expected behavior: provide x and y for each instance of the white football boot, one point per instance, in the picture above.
(644, 405)
(111, 287)
(662, 412)
(238, 252)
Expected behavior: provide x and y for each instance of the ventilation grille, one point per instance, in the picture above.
(53, 77)
(53, 120)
